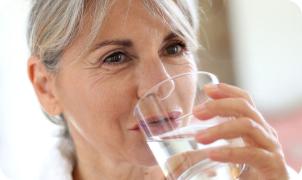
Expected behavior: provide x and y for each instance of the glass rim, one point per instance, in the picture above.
(211, 75)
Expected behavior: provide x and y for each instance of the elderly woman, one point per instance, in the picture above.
(91, 60)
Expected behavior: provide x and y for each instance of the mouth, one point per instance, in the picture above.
(155, 121)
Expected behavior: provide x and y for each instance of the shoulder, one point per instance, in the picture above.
(59, 160)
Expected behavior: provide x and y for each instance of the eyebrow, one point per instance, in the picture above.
(170, 36)
(118, 42)
(127, 42)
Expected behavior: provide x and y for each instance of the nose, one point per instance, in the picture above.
(150, 75)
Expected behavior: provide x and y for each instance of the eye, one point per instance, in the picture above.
(175, 49)
(115, 58)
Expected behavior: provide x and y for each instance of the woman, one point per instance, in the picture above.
(91, 60)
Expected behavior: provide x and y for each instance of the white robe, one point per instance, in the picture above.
(59, 164)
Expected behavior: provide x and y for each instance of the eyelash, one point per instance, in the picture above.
(179, 43)
(127, 57)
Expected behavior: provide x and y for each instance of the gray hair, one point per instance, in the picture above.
(54, 24)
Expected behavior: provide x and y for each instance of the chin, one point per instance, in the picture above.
(142, 156)
(145, 161)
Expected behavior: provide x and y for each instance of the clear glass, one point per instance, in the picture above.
(165, 117)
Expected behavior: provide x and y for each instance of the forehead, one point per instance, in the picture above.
(131, 18)
(125, 19)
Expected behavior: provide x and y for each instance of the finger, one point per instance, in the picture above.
(181, 162)
(219, 91)
(227, 107)
(240, 127)
(230, 107)
(267, 163)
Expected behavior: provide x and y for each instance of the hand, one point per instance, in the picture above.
(262, 152)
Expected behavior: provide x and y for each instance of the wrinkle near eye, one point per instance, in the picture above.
(99, 77)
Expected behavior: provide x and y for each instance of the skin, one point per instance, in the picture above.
(97, 98)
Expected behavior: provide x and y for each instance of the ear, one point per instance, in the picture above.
(43, 82)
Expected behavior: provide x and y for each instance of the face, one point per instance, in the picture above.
(97, 92)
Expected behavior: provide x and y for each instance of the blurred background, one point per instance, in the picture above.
(256, 45)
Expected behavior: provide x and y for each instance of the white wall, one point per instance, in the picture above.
(23, 128)
(268, 48)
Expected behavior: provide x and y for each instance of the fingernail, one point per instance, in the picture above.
(202, 136)
(211, 87)
(201, 111)
(199, 107)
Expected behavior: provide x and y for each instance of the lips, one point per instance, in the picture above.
(156, 121)
(134, 128)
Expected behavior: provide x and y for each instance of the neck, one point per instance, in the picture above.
(96, 168)
(92, 164)
(119, 172)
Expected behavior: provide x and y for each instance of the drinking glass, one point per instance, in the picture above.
(165, 117)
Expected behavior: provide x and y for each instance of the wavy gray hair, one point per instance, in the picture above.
(54, 24)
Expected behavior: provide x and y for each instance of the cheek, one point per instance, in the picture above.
(174, 69)
(99, 111)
